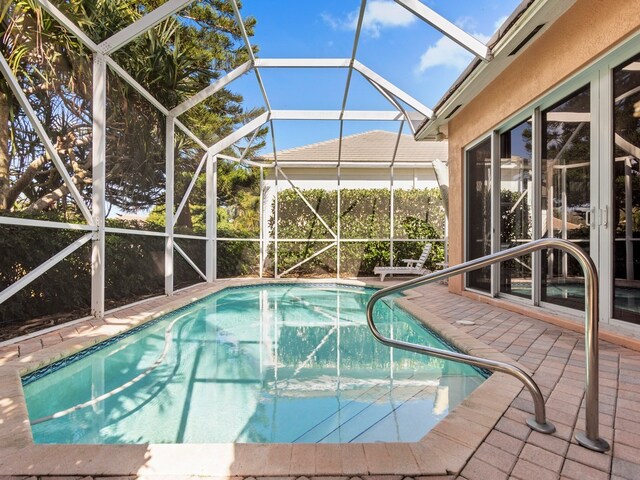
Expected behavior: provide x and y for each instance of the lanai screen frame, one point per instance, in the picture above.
(95, 227)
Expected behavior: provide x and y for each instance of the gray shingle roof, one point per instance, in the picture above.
(372, 146)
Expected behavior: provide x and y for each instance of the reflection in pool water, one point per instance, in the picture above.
(268, 363)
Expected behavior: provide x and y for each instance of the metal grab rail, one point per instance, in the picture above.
(590, 438)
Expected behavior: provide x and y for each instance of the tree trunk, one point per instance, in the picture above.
(35, 166)
(49, 200)
(25, 179)
(185, 220)
(5, 160)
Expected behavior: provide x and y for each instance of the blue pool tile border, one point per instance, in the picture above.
(57, 365)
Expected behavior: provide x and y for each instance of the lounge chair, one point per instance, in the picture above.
(413, 267)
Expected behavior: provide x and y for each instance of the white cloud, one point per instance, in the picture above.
(446, 53)
(379, 14)
(330, 20)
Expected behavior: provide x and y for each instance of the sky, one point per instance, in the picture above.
(394, 43)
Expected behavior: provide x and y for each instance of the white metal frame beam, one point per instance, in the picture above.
(140, 26)
(187, 259)
(245, 152)
(169, 203)
(363, 6)
(93, 47)
(122, 73)
(392, 89)
(69, 25)
(102, 50)
(41, 269)
(28, 222)
(239, 134)
(302, 62)
(249, 48)
(449, 29)
(276, 219)
(192, 184)
(396, 104)
(211, 207)
(44, 137)
(98, 196)
(362, 115)
(311, 257)
(246, 162)
(211, 89)
(307, 203)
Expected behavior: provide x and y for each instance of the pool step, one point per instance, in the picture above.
(359, 414)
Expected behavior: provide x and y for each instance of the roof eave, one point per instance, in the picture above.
(520, 23)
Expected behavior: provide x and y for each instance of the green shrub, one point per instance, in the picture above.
(364, 213)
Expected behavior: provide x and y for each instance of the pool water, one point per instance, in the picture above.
(266, 363)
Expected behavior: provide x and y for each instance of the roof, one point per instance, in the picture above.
(376, 146)
(525, 26)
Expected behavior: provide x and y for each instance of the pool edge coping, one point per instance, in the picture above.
(444, 450)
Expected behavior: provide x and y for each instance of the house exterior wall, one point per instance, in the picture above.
(326, 178)
(586, 31)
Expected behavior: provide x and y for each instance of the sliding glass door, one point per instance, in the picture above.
(478, 208)
(625, 231)
(566, 201)
(516, 207)
(569, 168)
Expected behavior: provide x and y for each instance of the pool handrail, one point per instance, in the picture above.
(590, 437)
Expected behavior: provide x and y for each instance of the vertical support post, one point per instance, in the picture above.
(495, 210)
(215, 219)
(391, 216)
(211, 208)
(169, 194)
(551, 163)
(563, 255)
(261, 207)
(602, 175)
(628, 209)
(98, 187)
(536, 203)
(275, 240)
(338, 226)
(446, 241)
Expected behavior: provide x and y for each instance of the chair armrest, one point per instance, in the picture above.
(410, 262)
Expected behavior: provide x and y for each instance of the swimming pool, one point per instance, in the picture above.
(264, 363)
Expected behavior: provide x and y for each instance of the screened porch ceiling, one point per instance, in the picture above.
(402, 108)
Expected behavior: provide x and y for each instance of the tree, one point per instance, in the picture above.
(174, 60)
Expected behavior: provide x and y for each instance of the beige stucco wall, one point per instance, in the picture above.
(584, 32)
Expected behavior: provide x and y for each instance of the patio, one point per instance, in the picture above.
(507, 447)
(223, 207)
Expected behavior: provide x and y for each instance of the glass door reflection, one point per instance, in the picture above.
(479, 212)
(566, 203)
(626, 192)
(516, 196)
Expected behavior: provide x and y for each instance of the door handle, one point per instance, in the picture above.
(588, 215)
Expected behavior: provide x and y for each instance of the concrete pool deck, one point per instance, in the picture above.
(483, 438)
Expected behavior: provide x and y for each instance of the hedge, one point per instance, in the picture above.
(364, 213)
(135, 263)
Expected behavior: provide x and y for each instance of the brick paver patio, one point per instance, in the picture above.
(556, 356)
